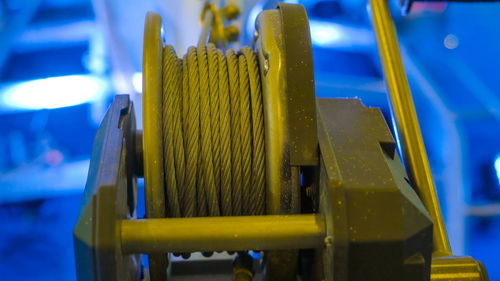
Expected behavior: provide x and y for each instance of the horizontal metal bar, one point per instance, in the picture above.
(205, 234)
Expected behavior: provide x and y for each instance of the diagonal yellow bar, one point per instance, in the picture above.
(207, 234)
(403, 111)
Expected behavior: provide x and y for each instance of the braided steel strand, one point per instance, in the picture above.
(213, 76)
(208, 181)
(258, 161)
(180, 161)
(246, 136)
(170, 86)
(225, 136)
(189, 201)
(193, 173)
(234, 96)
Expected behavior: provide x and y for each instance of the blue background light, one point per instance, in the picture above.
(137, 82)
(340, 35)
(497, 168)
(53, 92)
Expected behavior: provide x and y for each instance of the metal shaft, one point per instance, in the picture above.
(207, 24)
(222, 234)
(403, 111)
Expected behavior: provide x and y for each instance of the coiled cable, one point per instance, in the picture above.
(213, 133)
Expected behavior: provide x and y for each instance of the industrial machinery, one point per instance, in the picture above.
(238, 155)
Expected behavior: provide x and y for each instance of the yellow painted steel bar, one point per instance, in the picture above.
(404, 114)
(179, 235)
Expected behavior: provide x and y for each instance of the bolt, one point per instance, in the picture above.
(230, 12)
(231, 33)
(309, 191)
(328, 241)
(255, 35)
(266, 65)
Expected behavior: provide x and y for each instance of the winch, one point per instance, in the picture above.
(240, 158)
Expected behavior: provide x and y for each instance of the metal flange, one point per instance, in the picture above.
(284, 51)
(152, 134)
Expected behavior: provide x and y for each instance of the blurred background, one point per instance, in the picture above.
(62, 61)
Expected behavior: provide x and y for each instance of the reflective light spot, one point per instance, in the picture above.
(137, 82)
(451, 41)
(255, 255)
(398, 141)
(53, 92)
(497, 168)
(252, 17)
(337, 35)
(323, 33)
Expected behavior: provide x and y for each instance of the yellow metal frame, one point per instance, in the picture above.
(403, 110)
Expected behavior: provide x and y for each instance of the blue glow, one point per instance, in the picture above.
(398, 141)
(137, 82)
(255, 255)
(53, 92)
(497, 168)
(324, 33)
(252, 17)
(338, 35)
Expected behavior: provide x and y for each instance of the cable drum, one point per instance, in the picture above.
(213, 133)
